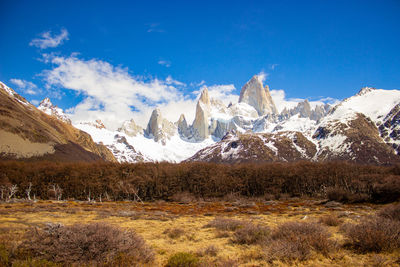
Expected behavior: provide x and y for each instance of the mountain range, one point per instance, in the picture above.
(363, 129)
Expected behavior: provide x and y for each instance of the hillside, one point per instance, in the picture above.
(28, 133)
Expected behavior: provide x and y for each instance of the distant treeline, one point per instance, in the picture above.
(162, 181)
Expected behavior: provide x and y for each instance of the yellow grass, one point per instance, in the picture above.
(151, 220)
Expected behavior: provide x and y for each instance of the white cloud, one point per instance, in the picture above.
(262, 76)
(165, 63)
(26, 86)
(113, 94)
(35, 102)
(223, 93)
(48, 40)
(281, 101)
(273, 66)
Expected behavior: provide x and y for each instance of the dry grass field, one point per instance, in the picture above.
(244, 232)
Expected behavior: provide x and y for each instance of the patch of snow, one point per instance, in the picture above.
(7, 89)
(335, 143)
(373, 103)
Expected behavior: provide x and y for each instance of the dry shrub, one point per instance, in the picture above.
(387, 190)
(174, 232)
(391, 212)
(337, 194)
(89, 243)
(251, 234)
(184, 197)
(375, 234)
(297, 241)
(224, 224)
(211, 250)
(226, 263)
(220, 262)
(183, 259)
(34, 263)
(330, 220)
(380, 261)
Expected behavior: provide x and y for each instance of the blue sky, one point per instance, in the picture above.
(149, 53)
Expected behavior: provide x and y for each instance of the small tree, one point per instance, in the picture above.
(56, 190)
(28, 191)
(12, 190)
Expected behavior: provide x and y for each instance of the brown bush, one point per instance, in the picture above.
(330, 220)
(174, 232)
(391, 212)
(184, 197)
(375, 234)
(186, 182)
(183, 259)
(211, 250)
(221, 262)
(297, 240)
(224, 224)
(90, 243)
(251, 234)
(387, 190)
(337, 194)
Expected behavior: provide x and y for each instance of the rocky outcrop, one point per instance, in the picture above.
(183, 128)
(125, 152)
(201, 121)
(304, 110)
(390, 128)
(365, 90)
(96, 124)
(254, 94)
(356, 139)
(47, 107)
(130, 128)
(237, 148)
(159, 128)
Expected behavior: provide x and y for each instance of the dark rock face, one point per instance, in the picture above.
(390, 128)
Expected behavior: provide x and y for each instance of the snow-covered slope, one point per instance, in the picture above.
(141, 148)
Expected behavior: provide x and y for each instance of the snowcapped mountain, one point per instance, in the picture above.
(163, 140)
(363, 128)
(47, 107)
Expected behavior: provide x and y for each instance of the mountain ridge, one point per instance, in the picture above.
(356, 129)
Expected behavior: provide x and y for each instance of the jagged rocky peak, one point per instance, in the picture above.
(99, 124)
(304, 110)
(96, 124)
(183, 128)
(130, 128)
(47, 107)
(204, 97)
(159, 128)
(365, 90)
(201, 120)
(254, 94)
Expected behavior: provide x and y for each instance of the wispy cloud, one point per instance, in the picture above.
(164, 63)
(47, 39)
(281, 101)
(35, 102)
(154, 27)
(273, 66)
(262, 76)
(113, 94)
(28, 87)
